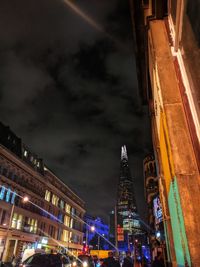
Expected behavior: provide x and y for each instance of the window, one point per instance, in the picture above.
(71, 223)
(67, 208)
(8, 195)
(2, 192)
(51, 230)
(61, 204)
(4, 217)
(32, 225)
(17, 220)
(47, 195)
(73, 211)
(13, 198)
(55, 200)
(60, 217)
(66, 220)
(65, 236)
(14, 220)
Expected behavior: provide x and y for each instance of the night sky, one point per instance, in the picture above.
(68, 88)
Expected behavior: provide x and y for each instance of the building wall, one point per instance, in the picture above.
(172, 47)
(51, 212)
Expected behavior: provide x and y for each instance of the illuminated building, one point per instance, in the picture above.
(127, 218)
(91, 237)
(168, 58)
(112, 233)
(48, 219)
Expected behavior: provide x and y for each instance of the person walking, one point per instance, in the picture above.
(128, 261)
(111, 261)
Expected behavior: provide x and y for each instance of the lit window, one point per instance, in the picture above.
(55, 200)
(2, 192)
(65, 236)
(14, 220)
(33, 225)
(13, 198)
(19, 222)
(71, 223)
(67, 208)
(66, 220)
(8, 195)
(47, 195)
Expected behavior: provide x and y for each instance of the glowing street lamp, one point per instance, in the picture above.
(92, 228)
(25, 199)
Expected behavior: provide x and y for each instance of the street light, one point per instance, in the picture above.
(24, 199)
(89, 228)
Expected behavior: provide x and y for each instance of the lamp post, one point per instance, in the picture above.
(89, 228)
(98, 244)
(3, 254)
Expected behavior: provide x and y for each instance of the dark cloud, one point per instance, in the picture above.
(70, 91)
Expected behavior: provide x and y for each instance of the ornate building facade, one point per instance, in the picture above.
(166, 34)
(49, 218)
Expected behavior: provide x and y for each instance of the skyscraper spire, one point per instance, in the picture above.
(124, 153)
(127, 219)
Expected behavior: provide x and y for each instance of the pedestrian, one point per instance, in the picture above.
(128, 261)
(111, 261)
(101, 262)
(158, 261)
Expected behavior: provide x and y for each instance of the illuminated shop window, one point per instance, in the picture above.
(67, 208)
(66, 220)
(55, 200)
(47, 195)
(2, 192)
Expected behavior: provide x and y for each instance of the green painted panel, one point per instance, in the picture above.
(178, 227)
(167, 243)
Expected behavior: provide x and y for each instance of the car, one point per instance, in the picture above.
(46, 260)
(83, 261)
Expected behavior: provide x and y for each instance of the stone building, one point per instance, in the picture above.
(49, 218)
(166, 34)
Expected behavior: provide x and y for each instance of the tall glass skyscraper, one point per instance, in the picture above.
(128, 224)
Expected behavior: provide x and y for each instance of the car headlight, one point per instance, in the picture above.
(85, 264)
(74, 263)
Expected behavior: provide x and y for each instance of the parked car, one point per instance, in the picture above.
(83, 261)
(46, 260)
